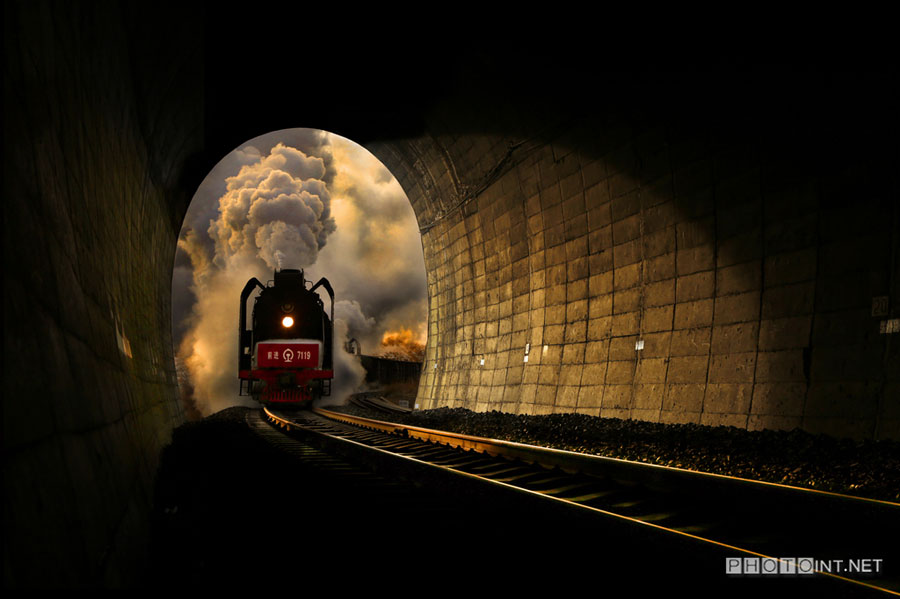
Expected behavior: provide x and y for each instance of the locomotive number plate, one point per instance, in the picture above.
(287, 355)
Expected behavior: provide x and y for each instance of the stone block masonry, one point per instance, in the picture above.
(91, 208)
(724, 256)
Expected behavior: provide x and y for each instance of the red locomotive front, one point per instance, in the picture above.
(286, 358)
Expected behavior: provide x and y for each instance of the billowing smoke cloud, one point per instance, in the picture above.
(358, 325)
(295, 199)
(277, 209)
(349, 374)
(376, 258)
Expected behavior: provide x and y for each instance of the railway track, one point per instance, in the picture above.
(690, 518)
(387, 498)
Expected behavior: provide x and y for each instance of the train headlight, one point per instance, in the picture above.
(287, 322)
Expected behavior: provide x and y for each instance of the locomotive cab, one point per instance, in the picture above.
(286, 357)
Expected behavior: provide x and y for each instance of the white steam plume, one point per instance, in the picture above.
(349, 374)
(277, 205)
(276, 212)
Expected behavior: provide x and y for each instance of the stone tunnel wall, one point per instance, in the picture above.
(742, 257)
(94, 144)
(747, 273)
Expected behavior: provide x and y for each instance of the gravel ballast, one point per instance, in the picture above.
(863, 468)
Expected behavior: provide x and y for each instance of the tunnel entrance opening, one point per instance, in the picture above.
(296, 199)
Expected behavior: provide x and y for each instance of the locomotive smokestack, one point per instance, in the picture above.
(289, 276)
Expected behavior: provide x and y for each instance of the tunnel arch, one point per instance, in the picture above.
(109, 127)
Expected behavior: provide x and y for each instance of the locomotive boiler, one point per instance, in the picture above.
(286, 358)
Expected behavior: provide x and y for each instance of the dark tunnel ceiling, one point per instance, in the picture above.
(368, 80)
(394, 102)
(367, 105)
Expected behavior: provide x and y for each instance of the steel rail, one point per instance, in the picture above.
(652, 476)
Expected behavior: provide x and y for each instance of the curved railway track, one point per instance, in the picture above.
(680, 512)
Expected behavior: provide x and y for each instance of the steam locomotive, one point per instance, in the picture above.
(286, 358)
